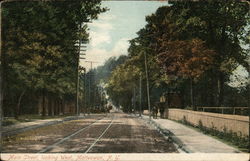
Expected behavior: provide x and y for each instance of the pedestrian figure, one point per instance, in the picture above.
(155, 112)
(161, 111)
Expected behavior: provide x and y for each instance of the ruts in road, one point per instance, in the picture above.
(99, 133)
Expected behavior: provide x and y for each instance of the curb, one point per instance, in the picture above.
(181, 147)
(172, 137)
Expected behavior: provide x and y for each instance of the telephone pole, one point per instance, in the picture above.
(85, 95)
(89, 91)
(146, 69)
(140, 96)
(82, 49)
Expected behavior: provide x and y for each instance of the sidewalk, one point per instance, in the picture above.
(190, 140)
(21, 127)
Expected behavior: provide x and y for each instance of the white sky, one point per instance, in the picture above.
(109, 34)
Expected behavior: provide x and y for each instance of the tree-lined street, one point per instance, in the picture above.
(124, 77)
(111, 133)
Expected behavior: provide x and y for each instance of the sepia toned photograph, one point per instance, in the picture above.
(106, 80)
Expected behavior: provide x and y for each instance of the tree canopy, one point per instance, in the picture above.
(191, 46)
(40, 52)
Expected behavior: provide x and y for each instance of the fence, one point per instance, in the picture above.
(224, 109)
(235, 123)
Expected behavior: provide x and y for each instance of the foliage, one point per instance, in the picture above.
(122, 83)
(104, 72)
(39, 51)
(192, 48)
(188, 59)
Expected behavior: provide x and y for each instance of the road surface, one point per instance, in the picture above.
(100, 133)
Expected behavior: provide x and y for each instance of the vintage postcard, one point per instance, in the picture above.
(93, 80)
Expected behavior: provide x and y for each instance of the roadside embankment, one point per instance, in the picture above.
(221, 122)
(189, 140)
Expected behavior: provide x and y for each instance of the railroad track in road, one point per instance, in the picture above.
(67, 138)
(8, 132)
(112, 133)
(92, 145)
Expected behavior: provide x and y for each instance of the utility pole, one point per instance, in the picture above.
(89, 97)
(77, 86)
(140, 96)
(85, 95)
(133, 101)
(146, 69)
(101, 94)
(78, 70)
(90, 73)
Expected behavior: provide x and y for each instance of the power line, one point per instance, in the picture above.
(90, 74)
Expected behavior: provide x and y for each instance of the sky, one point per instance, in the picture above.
(110, 33)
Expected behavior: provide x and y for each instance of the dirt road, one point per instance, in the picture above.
(112, 133)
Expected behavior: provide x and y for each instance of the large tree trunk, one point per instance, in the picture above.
(63, 107)
(182, 99)
(56, 107)
(55, 104)
(43, 104)
(1, 95)
(221, 80)
(168, 99)
(60, 107)
(220, 91)
(192, 94)
(3, 79)
(211, 98)
(49, 106)
(17, 111)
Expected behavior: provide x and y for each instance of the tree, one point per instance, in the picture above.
(191, 42)
(39, 54)
(186, 59)
(104, 72)
(121, 85)
(222, 26)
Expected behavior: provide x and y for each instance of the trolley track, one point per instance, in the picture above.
(84, 138)
(112, 133)
(39, 140)
(92, 145)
